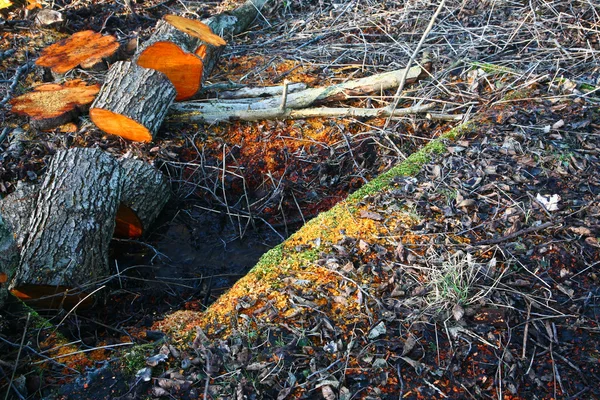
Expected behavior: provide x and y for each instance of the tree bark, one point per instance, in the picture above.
(16, 208)
(145, 192)
(71, 226)
(222, 110)
(9, 258)
(133, 102)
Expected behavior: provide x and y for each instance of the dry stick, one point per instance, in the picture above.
(320, 112)
(12, 378)
(392, 107)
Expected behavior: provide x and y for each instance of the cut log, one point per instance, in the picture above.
(88, 49)
(51, 105)
(133, 102)
(145, 192)
(17, 208)
(70, 229)
(171, 51)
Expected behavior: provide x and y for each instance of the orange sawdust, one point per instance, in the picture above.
(85, 48)
(236, 69)
(58, 348)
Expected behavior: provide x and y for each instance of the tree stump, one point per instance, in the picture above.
(133, 102)
(70, 229)
(145, 192)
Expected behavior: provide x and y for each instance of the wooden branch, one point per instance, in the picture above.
(189, 111)
(133, 102)
(253, 92)
(321, 112)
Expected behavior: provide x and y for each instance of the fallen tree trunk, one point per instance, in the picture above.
(133, 102)
(253, 109)
(145, 192)
(70, 228)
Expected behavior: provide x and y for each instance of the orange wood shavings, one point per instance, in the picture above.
(196, 29)
(52, 104)
(86, 48)
(184, 70)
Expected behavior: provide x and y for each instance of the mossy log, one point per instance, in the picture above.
(145, 192)
(133, 102)
(70, 228)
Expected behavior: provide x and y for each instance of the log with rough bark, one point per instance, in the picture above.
(70, 228)
(51, 105)
(87, 49)
(133, 102)
(272, 107)
(145, 192)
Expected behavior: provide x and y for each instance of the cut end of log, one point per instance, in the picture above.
(184, 70)
(128, 224)
(49, 296)
(196, 29)
(51, 105)
(87, 49)
(120, 125)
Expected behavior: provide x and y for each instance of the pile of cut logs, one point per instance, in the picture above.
(55, 236)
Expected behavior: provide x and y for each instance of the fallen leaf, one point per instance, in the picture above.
(371, 215)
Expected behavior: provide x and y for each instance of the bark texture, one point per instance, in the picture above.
(133, 102)
(145, 190)
(16, 208)
(72, 224)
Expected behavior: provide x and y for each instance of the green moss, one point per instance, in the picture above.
(135, 358)
(493, 69)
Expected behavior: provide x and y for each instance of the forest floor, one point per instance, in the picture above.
(455, 256)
